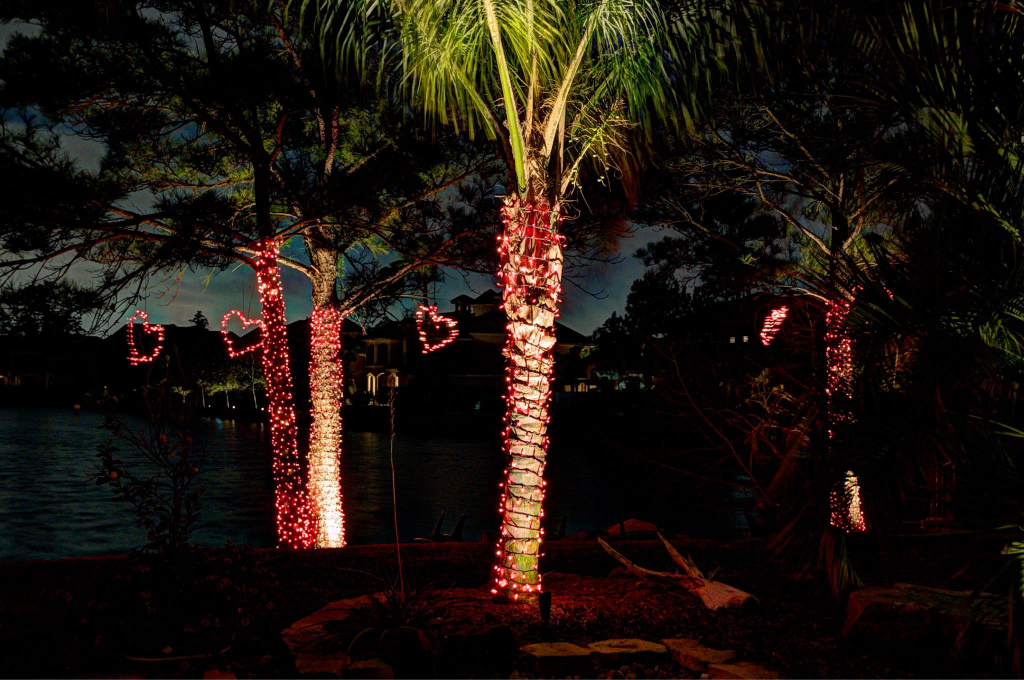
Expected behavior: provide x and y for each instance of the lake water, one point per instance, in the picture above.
(49, 509)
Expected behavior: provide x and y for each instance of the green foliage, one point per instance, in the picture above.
(556, 82)
(397, 626)
(47, 308)
(220, 126)
(199, 320)
(165, 497)
(954, 69)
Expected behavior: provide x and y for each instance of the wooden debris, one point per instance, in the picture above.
(714, 594)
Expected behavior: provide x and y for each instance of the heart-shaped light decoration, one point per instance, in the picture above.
(772, 323)
(245, 324)
(427, 319)
(134, 358)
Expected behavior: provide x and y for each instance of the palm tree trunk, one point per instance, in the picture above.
(296, 523)
(844, 500)
(325, 380)
(325, 388)
(531, 276)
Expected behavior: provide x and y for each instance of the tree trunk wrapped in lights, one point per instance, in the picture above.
(596, 71)
(296, 523)
(531, 276)
(325, 387)
(845, 508)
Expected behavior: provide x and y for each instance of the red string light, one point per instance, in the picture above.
(846, 511)
(245, 324)
(531, 276)
(325, 382)
(134, 358)
(438, 321)
(296, 521)
(838, 364)
(772, 324)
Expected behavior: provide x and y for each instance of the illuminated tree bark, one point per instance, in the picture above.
(845, 511)
(296, 523)
(325, 387)
(531, 276)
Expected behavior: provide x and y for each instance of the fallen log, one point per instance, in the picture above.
(714, 594)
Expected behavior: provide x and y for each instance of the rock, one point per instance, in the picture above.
(412, 652)
(218, 674)
(557, 659)
(315, 650)
(742, 670)
(308, 633)
(905, 613)
(321, 664)
(370, 668)
(627, 651)
(695, 657)
(483, 653)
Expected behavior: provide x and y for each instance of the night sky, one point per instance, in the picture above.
(235, 288)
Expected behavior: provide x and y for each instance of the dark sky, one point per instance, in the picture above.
(602, 287)
(235, 288)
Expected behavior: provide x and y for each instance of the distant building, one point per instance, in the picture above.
(467, 374)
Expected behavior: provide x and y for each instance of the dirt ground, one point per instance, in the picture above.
(224, 609)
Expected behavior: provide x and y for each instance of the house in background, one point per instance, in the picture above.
(469, 373)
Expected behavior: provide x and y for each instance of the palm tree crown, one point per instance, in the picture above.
(555, 81)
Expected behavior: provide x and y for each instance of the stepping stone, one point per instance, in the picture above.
(370, 668)
(693, 656)
(558, 659)
(742, 670)
(628, 651)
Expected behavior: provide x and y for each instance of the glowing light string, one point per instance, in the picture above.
(531, 276)
(845, 505)
(134, 358)
(772, 324)
(438, 322)
(246, 323)
(296, 521)
(325, 383)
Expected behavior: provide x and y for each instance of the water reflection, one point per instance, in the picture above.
(48, 508)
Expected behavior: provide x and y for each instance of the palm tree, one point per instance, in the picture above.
(955, 68)
(560, 86)
(557, 84)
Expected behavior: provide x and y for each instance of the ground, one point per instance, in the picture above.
(225, 609)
